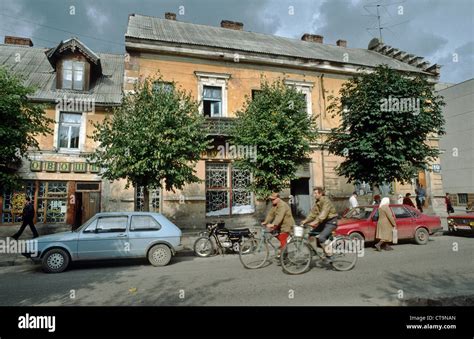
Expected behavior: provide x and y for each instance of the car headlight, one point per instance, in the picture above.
(450, 222)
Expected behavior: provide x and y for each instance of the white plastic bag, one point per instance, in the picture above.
(394, 235)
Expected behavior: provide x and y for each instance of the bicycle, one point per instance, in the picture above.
(297, 255)
(254, 252)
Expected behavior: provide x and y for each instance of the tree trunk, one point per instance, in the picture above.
(146, 199)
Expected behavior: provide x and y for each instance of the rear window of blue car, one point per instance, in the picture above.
(144, 223)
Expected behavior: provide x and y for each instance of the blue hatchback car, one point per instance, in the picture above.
(114, 235)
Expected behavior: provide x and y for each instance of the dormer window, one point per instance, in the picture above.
(73, 75)
(77, 66)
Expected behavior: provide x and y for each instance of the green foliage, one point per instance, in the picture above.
(155, 135)
(20, 122)
(384, 146)
(276, 122)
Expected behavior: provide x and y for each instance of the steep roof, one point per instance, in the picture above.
(171, 31)
(33, 64)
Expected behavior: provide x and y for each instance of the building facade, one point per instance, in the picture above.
(457, 160)
(78, 87)
(221, 66)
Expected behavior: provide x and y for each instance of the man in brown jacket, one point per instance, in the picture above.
(324, 215)
(279, 218)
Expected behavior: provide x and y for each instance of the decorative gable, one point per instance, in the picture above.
(377, 46)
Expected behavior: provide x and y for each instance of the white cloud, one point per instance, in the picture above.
(17, 21)
(97, 17)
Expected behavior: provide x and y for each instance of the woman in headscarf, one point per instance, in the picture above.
(385, 225)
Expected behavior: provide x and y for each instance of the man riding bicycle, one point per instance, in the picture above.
(322, 216)
(279, 218)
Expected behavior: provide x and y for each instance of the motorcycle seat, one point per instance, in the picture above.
(239, 230)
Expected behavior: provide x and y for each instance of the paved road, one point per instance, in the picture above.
(430, 271)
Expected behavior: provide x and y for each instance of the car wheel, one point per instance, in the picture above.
(159, 255)
(422, 236)
(55, 261)
(357, 236)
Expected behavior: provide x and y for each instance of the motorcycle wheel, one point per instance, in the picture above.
(203, 247)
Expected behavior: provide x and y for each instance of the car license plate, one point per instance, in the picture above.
(464, 227)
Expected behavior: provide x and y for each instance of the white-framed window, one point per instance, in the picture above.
(73, 75)
(212, 94)
(69, 130)
(305, 88)
(212, 101)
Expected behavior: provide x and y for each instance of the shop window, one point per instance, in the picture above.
(52, 202)
(11, 209)
(227, 190)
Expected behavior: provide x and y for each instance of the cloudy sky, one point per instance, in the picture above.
(442, 31)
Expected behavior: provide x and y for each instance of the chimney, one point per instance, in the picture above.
(312, 38)
(14, 40)
(341, 43)
(170, 16)
(238, 26)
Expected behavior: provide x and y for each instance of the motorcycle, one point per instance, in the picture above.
(218, 238)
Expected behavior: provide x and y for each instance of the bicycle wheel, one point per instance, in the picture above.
(345, 253)
(203, 247)
(296, 257)
(253, 253)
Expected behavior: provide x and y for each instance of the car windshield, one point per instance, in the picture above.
(359, 213)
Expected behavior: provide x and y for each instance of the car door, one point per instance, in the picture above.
(405, 222)
(144, 230)
(105, 238)
(372, 224)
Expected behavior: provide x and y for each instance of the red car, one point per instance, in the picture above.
(361, 223)
(461, 223)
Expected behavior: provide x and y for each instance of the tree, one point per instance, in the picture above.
(277, 124)
(386, 119)
(21, 121)
(154, 136)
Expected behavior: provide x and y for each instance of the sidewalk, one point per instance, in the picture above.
(14, 259)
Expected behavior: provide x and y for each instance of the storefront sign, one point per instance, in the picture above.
(49, 166)
(63, 167)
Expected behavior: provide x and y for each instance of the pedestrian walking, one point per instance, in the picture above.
(353, 200)
(28, 216)
(449, 205)
(377, 200)
(420, 198)
(400, 199)
(385, 226)
(407, 200)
